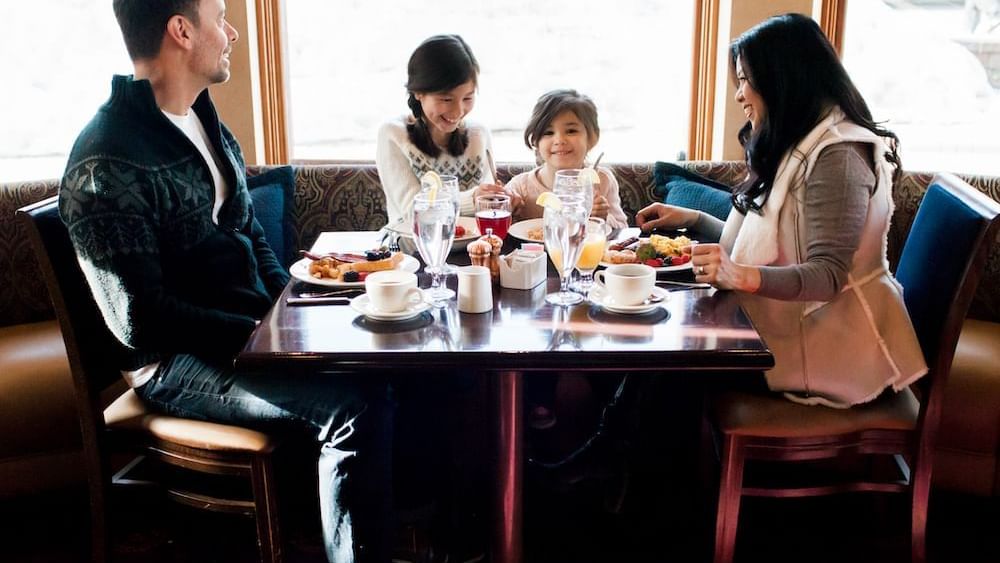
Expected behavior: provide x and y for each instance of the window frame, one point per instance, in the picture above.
(271, 51)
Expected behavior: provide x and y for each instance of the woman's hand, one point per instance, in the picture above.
(663, 216)
(600, 208)
(712, 265)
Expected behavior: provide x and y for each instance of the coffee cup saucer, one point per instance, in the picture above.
(599, 296)
(363, 305)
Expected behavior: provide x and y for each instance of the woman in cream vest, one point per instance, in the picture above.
(805, 243)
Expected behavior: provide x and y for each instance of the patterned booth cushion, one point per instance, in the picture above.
(23, 297)
(348, 197)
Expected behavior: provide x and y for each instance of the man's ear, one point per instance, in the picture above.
(179, 31)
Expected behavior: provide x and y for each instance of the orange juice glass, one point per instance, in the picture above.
(594, 246)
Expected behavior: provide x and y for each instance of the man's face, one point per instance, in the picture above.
(213, 38)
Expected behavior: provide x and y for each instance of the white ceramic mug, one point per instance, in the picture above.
(627, 284)
(392, 291)
(475, 289)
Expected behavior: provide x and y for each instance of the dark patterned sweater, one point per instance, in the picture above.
(137, 199)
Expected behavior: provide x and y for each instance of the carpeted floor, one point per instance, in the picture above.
(566, 526)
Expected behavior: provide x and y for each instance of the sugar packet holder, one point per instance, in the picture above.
(523, 268)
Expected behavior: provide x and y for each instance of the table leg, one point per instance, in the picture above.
(507, 536)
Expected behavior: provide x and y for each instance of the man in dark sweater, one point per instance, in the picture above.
(156, 203)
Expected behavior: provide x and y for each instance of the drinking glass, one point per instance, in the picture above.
(565, 228)
(570, 181)
(493, 212)
(449, 184)
(594, 245)
(434, 232)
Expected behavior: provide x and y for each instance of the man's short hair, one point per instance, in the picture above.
(143, 23)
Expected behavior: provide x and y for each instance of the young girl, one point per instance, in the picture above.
(442, 76)
(562, 130)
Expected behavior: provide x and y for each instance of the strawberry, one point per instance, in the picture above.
(677, 260)
(654, 262)
(459, 231)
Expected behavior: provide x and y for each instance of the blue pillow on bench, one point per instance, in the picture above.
(679, 186)
(273, 194)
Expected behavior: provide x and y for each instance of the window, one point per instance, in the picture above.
(347, 69)
(61, 60)
(931, 70)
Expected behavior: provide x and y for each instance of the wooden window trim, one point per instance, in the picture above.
(270, 25)
(831, 21)
(706, 34)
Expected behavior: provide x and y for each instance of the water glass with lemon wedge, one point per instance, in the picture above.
(579, 181)
(434, 231)
(441, 185)
(564, 223)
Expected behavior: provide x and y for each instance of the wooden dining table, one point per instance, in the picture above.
(692, 332)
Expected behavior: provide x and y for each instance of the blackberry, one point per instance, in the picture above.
(351, 276)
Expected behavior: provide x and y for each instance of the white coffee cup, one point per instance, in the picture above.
(475, 289)
(392, 291)
(627, 284)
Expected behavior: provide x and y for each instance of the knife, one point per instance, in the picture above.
(300, 301)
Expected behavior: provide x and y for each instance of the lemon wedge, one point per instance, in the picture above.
(550, 200)
(589, 174)
(432, 180)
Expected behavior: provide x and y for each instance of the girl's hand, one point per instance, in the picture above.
(663, 216)
(516, 202)
(712, 265)
(600, 208)
(488, 189)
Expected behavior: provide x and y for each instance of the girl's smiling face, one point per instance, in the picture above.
(564, 143)
(444, 111)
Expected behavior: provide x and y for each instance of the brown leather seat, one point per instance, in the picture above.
(969, 443)
(114, 420)
(41, 447)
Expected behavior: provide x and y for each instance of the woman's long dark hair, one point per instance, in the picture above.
(439, 64)
(795, 70)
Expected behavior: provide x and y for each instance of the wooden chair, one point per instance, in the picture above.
(940, 268)
(113, 421)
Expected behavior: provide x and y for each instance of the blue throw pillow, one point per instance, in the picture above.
(273, 194)
(679, 186)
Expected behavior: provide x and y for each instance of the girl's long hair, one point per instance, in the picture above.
(796, 71)
(439, 64)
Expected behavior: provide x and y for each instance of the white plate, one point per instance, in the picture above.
(661, 269)
(300, 271)
(471, 232)
(363, 305)
(599, 297)
(521, 228)
(684, 266)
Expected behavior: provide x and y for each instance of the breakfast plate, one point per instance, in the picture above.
(460, 242)
(300, 271)
(363, 305)
(600, 297)
(521, 228)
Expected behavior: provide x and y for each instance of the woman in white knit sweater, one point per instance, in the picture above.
(442, 79)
